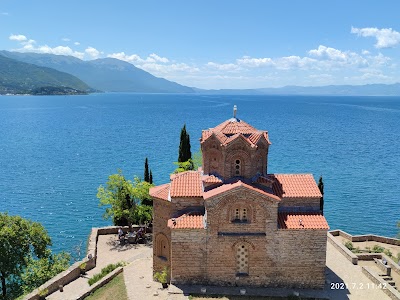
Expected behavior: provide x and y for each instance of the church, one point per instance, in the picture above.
(233, 224)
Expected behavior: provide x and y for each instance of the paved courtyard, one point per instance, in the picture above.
(140, 285)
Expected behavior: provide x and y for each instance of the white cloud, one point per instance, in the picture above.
(66, 39)
(223, 67)
(17, 37)
(385, 37)
(136, 59)
(77, 43)
(254, 62)
(4, 13)
(92, 52)
(157, 58)
(330, 53)
(365, 52)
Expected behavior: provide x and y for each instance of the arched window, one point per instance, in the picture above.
(238, 167)
(242, 259)
(240, 214)
(162, 247)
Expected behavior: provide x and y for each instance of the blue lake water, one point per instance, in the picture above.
(55, 151)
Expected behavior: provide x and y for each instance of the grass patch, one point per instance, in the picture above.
(106, 270)
(115, 289)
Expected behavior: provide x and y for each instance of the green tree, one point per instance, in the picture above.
(321, 189)
(146, 170)
(151, 177)
(197, 160)
(122, 198)
(38, 271)
(184, 146)
(23, 254)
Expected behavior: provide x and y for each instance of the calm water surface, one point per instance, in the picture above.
(55, 151)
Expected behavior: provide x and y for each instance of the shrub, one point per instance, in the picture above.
(349, 245)
(388, 252)
(377, 249)
(106, 270)
(356, 250)
(162, 276)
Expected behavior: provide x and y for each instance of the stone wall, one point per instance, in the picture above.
(162, 211)
(188, 260)
(182, 203)
(308, 204)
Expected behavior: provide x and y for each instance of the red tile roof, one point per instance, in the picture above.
(233, 128)
(187, 222)
(211, 179)
(186, 184)
(230, 186)
(295, 186)
(160, 192)
(302, 221)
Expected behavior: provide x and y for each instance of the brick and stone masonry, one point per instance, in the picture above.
(233, 224)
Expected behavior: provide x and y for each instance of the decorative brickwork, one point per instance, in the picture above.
(233, 224)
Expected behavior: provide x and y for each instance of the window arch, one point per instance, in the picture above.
(240, 214)
(162, 247)
(242, 259)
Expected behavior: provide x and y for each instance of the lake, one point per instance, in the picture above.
(55, 151)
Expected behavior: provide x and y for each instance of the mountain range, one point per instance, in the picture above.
(105, 74)
(30, 71)
(22, 78)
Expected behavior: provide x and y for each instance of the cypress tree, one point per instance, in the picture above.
(151, 177)
(184, 146)
(146, 170)
(321, 189)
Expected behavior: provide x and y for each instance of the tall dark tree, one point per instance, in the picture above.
(146, 171)
(151, 177)
(321, 189)
(184, 147)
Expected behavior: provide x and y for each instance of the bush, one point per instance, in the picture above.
(349, 245)
(377, 249)
(388, 252)
(356, 250)
(162, 276)
(106, 270)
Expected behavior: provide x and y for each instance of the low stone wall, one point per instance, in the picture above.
(74, 271)
(342, 249)
(106, 279)
(380, 283)
(386, 270)
(366, 238)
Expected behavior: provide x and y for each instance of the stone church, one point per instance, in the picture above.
(234, 224)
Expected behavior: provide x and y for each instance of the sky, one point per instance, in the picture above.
(218, 44)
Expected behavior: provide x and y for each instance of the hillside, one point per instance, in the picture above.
(23, 78)
(106, 74)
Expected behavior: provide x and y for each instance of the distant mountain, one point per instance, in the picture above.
(330, 90)
(17, 77)
(106, 74)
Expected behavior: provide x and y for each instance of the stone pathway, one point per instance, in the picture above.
(108, 251)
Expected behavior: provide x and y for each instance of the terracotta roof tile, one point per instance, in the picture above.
(295, 186)
(211, 179)
(302, 221)
(231, 129)
(233, 126)
(160, 192)
(187, 222)
(186, 184)
(230, 186)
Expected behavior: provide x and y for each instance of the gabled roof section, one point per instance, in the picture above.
(211, 179)
(160, 192)
(302, 221)
(295, 186)
(187, 222)
(231, 129)
(238, 184)
(186, 184)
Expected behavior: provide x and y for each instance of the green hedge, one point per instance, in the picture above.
(106, 270)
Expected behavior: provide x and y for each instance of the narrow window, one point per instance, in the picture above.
(237, 167)
(237, 214)
(242, 259)
(244, 214)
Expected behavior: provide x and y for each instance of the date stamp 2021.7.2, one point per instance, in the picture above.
(357, 286)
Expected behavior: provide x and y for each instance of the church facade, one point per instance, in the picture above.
(234, 224)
